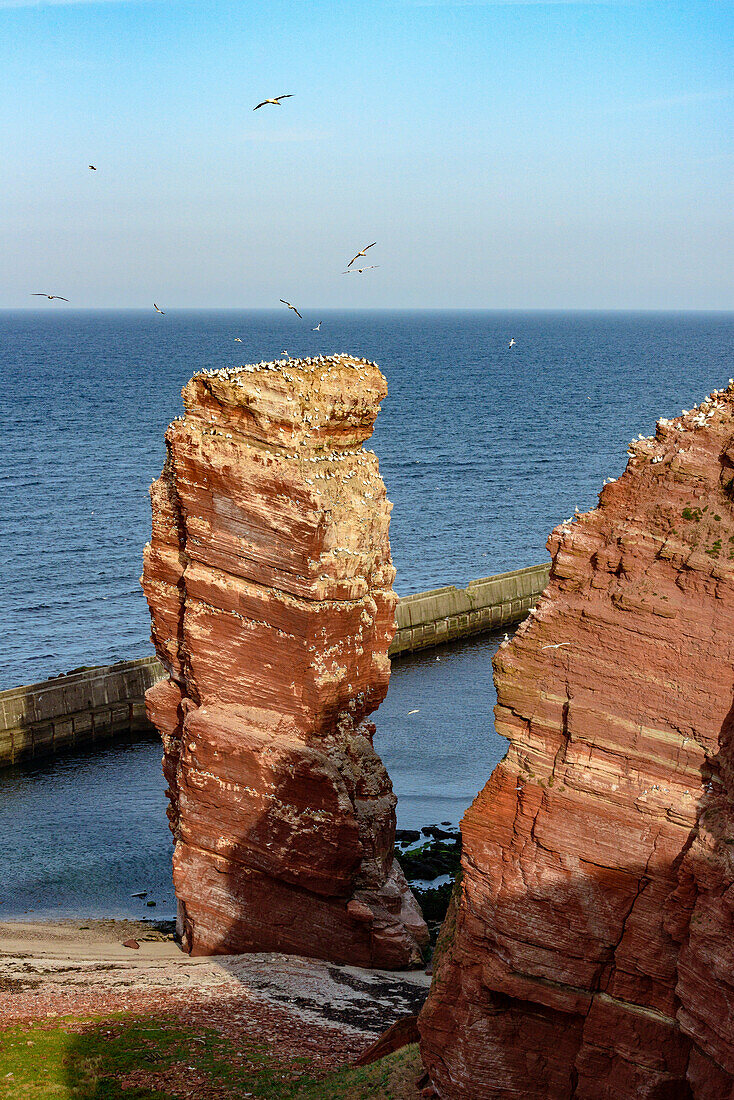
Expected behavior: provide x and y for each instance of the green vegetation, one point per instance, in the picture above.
(431, 859)
(439, 856)
(143, 1058)
(434, 901)
(448, 930)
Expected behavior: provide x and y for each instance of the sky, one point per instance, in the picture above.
(503, 154)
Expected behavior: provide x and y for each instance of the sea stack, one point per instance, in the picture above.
(269, 582)
(589, 949)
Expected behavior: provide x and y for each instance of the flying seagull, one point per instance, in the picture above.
(291, 307)
(275, 101)
(50, 297)
(359, 270)
(92, 167)
(155, 307)
(556, 646)
(512, 343)
(361, 253)
(318, 327)
(238, 339)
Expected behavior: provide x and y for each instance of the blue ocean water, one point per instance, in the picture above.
(483, 449)
(84, 831)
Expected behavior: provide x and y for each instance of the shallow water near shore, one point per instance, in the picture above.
(84, 831)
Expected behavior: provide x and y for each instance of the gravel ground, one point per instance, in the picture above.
(301, 1006)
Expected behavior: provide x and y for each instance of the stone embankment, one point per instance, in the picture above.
(448, 614)
(589, 950)
(269, 582)
(87, 706)
(96, 704)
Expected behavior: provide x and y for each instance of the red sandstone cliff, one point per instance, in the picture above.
(590, 950)
(269, 582)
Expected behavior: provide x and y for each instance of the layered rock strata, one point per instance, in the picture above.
(589, 951)
(269, 582)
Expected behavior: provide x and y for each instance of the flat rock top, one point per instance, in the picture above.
(328, 400)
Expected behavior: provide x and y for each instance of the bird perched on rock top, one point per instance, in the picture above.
(291, 307)
(51, 297)
(275, 101)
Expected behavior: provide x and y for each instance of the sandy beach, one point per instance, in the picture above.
(50, 969)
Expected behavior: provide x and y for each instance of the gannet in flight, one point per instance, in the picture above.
(359, 270)
(512, 343)
(556, 646)
(51, 297)
(155, 307)
(361, 253)
(275, 101)
(318, 327)
(291, 307)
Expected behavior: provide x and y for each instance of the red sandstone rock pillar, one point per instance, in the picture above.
(590, 950)
(269, 582)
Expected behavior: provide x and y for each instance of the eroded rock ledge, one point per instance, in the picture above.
(269, 582)
(589, 952)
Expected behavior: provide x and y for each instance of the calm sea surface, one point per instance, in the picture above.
(483, 450)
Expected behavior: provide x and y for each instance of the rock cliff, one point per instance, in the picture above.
(589, 950)
(269, 582)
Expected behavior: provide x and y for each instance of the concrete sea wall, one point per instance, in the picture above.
(99, 703)
(94, 704)
(445, 614)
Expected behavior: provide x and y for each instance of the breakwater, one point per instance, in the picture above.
(100, 703)
(445, 614)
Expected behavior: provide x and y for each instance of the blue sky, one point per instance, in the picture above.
(502, 154)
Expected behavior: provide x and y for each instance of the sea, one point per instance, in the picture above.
(484, 450)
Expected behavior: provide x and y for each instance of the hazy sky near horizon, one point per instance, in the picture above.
(503, 153)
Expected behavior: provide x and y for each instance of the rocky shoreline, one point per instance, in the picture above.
(430, 859)
(589, 946)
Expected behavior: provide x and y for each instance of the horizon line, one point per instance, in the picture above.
(372, 309)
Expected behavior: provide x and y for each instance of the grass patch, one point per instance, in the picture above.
(141, 1058)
